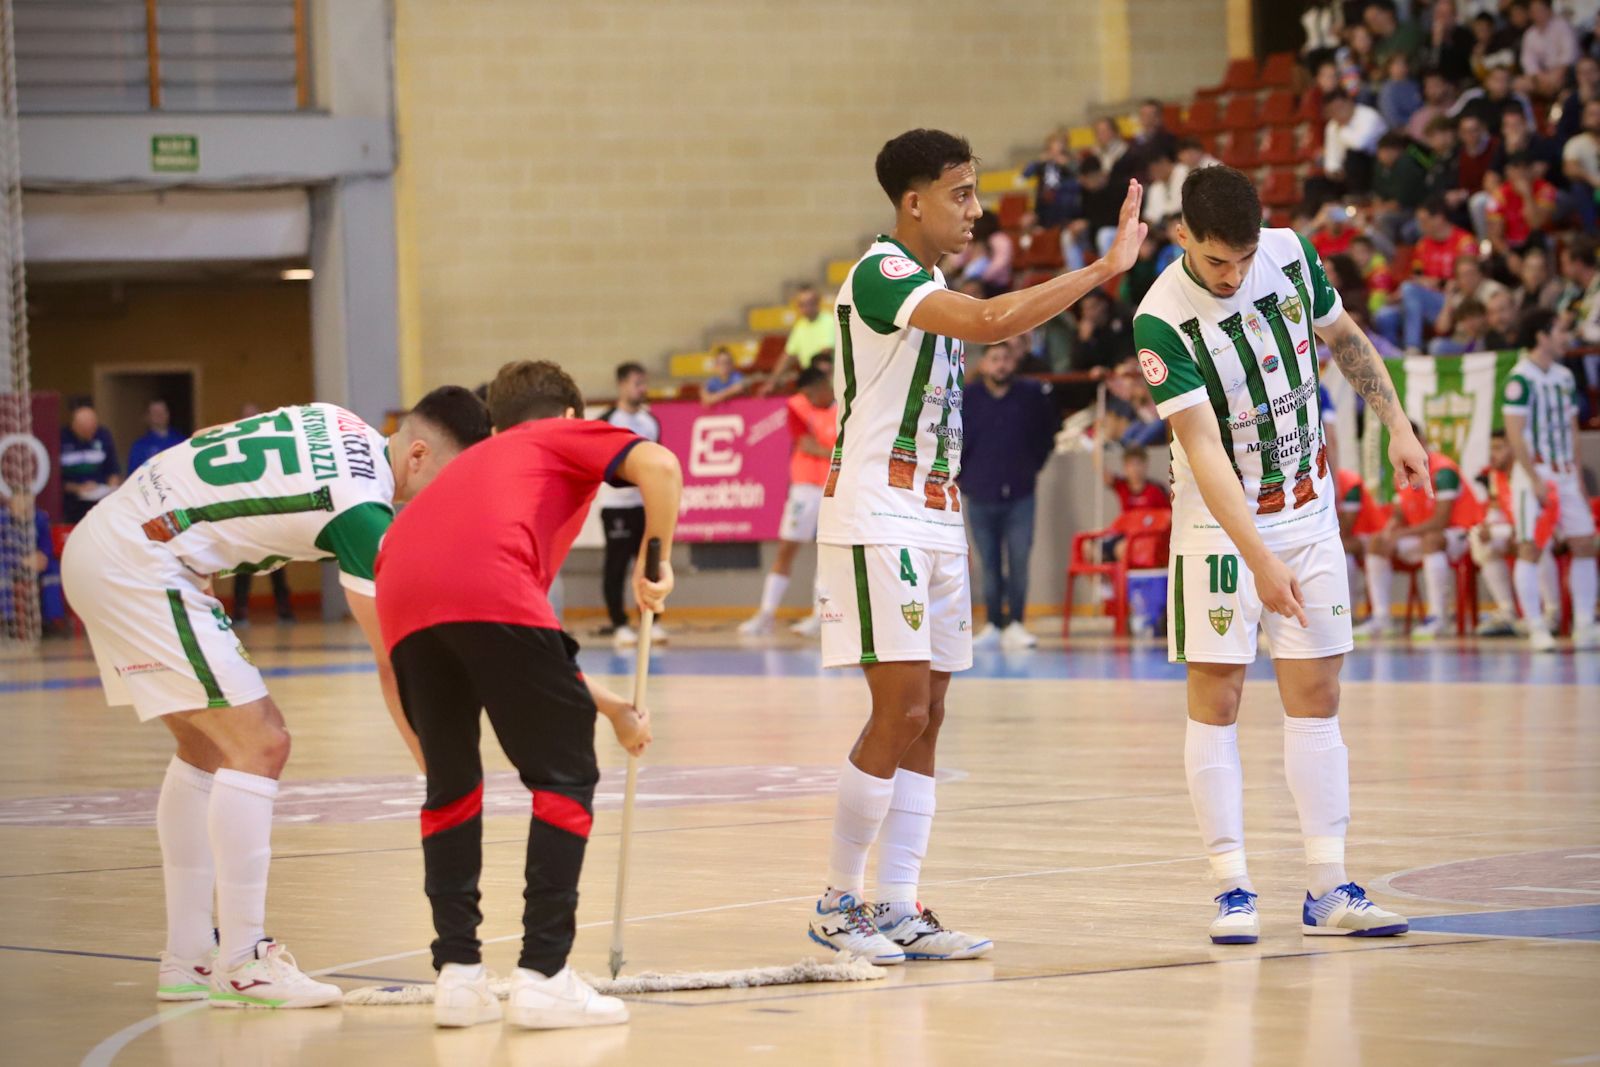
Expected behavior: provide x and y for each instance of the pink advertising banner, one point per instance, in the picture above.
(735, 460)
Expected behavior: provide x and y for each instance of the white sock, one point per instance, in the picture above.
(240, 824)
(1353, 573)
(1581, 577)
(186, 866)
(1549, 580)
(772, 592)
(1497, 576)
(1525, 575)
(1436, 582)
(903, 842)
(863, 803)
(1216, 786)
(1380, 576)
(1317, 765)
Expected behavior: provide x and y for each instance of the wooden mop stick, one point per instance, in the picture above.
(641, 674)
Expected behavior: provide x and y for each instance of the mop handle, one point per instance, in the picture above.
(641, 674)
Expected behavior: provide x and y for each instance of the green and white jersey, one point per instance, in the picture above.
(1253, 358)
(893, 475)
(1548, 400)
(300, 483)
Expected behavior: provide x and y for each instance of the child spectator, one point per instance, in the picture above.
(1134, 489)
(726, 382)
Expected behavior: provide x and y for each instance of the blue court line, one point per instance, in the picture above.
(1576, 922)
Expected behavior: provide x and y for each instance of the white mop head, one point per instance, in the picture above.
(808, 970)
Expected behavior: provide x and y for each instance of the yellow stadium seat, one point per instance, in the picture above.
(778, 318)
(1080, 138)
(1000, 181)
(1128, 124)
(837, 271)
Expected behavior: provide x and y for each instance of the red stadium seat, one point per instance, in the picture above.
(1278, 109)
(1172, 117)
(1041, 250)
(1241, 151)
(1278, 71)
(1203, 118)
(1240, 113)
(688, 391)
(1239, 77)
(770, 354)
(1147, 534)
(1281, 189)
(1281, 148)
(1012, 207)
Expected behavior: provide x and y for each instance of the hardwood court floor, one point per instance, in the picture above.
(1065, 833)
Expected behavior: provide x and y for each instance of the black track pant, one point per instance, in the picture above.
(542, 714)
(624, 528)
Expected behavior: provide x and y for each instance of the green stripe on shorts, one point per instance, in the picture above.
(869, 649)
(1177, 608)
(191, 648)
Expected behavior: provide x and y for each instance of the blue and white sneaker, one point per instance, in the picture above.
(1429, 629)
(847, 927)
(924, 937)
(1236, 922)
(1346, 910)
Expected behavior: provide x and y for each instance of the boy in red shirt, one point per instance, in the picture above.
(1520, 205)
(1134, 489)
(1423, 297)
(463, 581)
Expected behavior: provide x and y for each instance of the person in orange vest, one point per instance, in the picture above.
(1360, 517)
(1432, 532)
(1494, 539)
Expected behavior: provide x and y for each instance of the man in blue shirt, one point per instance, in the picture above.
(160, 437)
(89, 469)
(1010, 427)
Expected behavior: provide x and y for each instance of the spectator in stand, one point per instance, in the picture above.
(1488, 48)
(1010, 426)
(1487, 103)
(725, 382)
(1508, 33)
(1586, 87)
(1549, 49)
(1057, 198)
(1517, 136)
(1332, 230)
(1163, 192)
(1580, 163)
(1349, 142)
(1372, 271)
(1192, 155)
(1581, 298)
(1390, 35)
(1467, 281)
(1399, 186)
(1537, 286)
(1447, 48)
(811, 333)
(1355, 61)
(1135, 491)
(1322, 22)
(1153, 139)
(1142, 275)
(1112, 151)
(1469, 323)
(1444, 169)
(1423, 297)
(1171, 251)
(1102, 201)
(1399, 97)
(992, 253)
(1324, 83)
(89, 468)
(159, 436)
(1501, 312)
(22, 520)
(1477, 153)
(1589, 39)
(1105, 332)
(1521, 206)
(1438, 95)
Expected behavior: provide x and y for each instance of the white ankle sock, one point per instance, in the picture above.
(903, 842)
(1549, 579)
(186, 866)
(1581, 578)
(240, 825)
(1436, 583)
(1380, 576)
(1497, 576)
(1216, 787)
(1317, 765)
(772, 592)
(1525, 575)
(863, 803)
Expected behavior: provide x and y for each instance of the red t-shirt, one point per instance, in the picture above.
(1327, 243)
(1507, 204)
(805, 418)
(1151, 496)
(483, 542)
(1437, 259)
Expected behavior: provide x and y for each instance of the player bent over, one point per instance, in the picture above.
(463, 597)
(1227, 339)
(892, 549)
(1540, 410)
(312, 482)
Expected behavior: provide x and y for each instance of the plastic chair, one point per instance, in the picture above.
(1278, 109)
(1281, 189)
(1281, 149)
(1241, 151)
(1277, 72)
(1203, 117)
(1147, 540)
(1240, 112)
(1239, 77)
(1012, 207)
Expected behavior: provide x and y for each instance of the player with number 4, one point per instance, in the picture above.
(1227, 340)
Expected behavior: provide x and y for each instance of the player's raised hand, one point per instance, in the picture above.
(1410, 461)
(1130, 231)
(648, 594)
(1279, 589)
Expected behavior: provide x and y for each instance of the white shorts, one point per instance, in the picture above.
(1213, 611)
(800, 513)
(881, 604)
(162, 641)
(1491, 542)
(1408, 547)
(1574, 520)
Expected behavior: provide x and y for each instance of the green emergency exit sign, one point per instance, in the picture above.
(174, 152)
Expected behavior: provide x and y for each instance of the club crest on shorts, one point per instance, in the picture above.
(912, 613)
(1221, 619)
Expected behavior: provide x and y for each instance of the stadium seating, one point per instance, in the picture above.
(1239, 77)
(1240, 112)
(1278, 109)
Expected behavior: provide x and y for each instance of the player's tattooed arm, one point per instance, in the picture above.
(1362, 367)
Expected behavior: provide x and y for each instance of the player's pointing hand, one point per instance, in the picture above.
(1279, 589)
(1409, 459)
(1130, 231)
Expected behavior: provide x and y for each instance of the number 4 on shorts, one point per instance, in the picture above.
(908, 573)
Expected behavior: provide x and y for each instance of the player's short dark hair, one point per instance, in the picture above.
(455, 412)
(1532, 322)
(919, 157)
(628, 370)
(530, 389)
(1222, 202)
(812, 375)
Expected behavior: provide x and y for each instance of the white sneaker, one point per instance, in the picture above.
(757, 625)
(659, 634)
(988, 637)
(1496, 624)
(1237, 922)
(559, 1002)
(461, 996)
(847, 927)
(624, 636)
(1346, 910)
(1428, 629)
(270, 979)
(180, 979)
(1374, 628)
(1585, 637)
(1017, 636)
(923, 937)
(1541, 640)
(810, 626)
